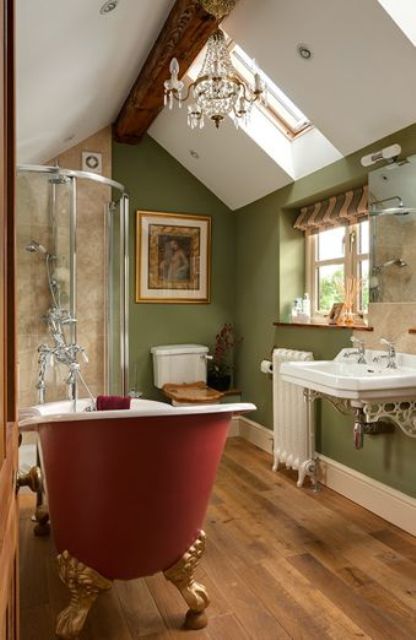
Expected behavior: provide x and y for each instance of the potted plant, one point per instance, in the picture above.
(221, 366)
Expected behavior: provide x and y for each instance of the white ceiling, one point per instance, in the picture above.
(357, 87)
(230, 164)
(75, 68)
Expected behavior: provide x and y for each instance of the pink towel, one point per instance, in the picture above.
(112, 403)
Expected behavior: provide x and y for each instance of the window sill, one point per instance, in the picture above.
(323, 325)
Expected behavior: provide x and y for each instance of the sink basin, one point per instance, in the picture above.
(344, 378)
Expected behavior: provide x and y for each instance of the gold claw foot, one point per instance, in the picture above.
(85, 585)
(194, 593)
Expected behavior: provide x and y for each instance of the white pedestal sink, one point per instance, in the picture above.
(344, 378)
(377, 396)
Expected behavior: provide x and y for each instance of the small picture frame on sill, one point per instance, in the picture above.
(336, 313)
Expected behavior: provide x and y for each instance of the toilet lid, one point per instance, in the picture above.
(194, 393)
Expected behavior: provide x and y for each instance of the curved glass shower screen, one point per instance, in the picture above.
(72, 279)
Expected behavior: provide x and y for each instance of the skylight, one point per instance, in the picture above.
(280, 107)
(403, 12)
(281, 130)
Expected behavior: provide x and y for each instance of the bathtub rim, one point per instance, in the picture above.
(32, 416)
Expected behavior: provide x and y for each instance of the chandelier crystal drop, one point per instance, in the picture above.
(218, 91)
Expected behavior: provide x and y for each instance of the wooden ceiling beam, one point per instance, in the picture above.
(183, 35)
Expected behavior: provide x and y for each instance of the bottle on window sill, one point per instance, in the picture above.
(348, 315)
(296, 311)
(306, 307)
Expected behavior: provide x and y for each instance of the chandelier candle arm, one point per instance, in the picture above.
(173, 86)
(218, 91)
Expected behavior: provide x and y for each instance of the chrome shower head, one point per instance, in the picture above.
(59, 179)
(35, 247)
(399, 263)
(401, 210)
(395, 262)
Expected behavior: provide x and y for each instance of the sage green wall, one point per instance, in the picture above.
(157, 182)
(270, 267)
(257, 270)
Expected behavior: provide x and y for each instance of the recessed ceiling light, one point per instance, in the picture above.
(304, 51)
(108, 6)
(194, 154)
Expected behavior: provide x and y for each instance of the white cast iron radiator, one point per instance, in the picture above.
(293, 418)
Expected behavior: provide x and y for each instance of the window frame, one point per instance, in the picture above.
(351, 261)
(275, 109)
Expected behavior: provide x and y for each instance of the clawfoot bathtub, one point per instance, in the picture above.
(127, 494)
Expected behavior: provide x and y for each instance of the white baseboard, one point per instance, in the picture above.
(235, 427)
(253, 432)
(388, 503)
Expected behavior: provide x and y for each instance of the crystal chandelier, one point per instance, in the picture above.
(218, 91)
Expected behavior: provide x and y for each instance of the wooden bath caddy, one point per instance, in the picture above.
(195, 393)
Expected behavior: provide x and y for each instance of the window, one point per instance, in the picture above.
(280, 108)
(336, 256)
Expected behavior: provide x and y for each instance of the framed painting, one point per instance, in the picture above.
(173, 258)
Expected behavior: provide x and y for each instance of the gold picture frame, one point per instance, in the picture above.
(173, 258)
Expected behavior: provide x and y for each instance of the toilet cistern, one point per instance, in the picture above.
(180, 370)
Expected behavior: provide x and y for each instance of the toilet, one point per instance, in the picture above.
(180, 370)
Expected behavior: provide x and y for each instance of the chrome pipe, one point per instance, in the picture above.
(73, 277)
(109, 360)
(126, 289)
(358, 435)
(362, 427)
(121, 288)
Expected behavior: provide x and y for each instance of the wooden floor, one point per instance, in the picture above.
(281, 563)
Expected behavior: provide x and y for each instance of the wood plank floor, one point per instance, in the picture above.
(281, 563)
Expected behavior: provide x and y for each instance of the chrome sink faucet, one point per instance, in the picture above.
(390, 355)
(358, 351)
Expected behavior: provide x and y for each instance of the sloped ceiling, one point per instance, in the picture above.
(75, 68)
(357, 87)
(230, 164)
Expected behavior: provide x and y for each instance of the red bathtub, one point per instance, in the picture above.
(127, 494)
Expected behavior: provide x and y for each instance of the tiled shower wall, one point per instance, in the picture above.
(391, 320)
(393, 239)
(32, 292)
(91, 277)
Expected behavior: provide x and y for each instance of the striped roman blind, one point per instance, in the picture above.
(342, 209)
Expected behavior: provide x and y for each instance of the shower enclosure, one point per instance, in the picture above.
(392, 200)
(72, 291)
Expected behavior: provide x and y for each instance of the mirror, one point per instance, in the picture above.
(392, 206)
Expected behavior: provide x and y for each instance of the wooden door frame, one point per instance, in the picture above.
(9, 601)
(9, 204)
